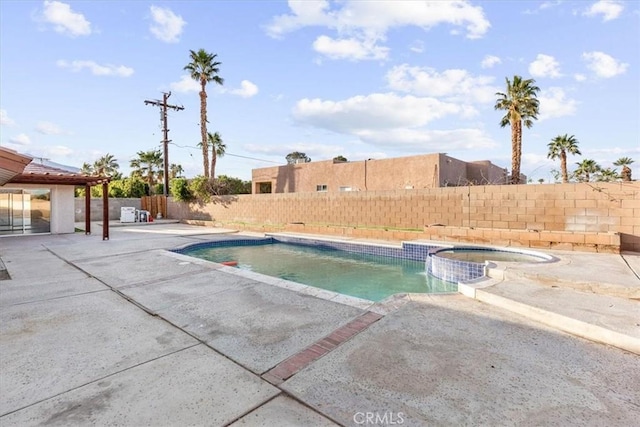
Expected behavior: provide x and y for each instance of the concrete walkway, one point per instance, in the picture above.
(122, 332)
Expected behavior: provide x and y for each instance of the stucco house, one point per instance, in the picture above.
(38, 197)
(413, 172)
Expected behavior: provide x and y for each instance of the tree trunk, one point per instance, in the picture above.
(213, 162)
(516, 151)
(203, 129)
(563, 166)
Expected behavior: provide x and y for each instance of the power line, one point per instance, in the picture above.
(228, 154)
(165, 142)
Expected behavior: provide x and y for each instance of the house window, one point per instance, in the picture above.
(321, 187)
(263, 187)
(346, 189)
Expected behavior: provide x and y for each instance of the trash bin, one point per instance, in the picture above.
(127, 214)
(143, 216)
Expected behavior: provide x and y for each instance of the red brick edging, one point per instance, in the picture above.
(290, 366)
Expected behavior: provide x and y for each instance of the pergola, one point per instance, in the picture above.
(18, 170)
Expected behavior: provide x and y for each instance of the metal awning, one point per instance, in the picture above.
(12, 163)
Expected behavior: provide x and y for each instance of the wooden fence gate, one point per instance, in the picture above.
(155, 205)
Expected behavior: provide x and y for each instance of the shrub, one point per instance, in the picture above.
(180, 190)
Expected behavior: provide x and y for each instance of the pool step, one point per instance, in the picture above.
(606, 319)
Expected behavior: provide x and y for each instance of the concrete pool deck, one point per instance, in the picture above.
(123, 332)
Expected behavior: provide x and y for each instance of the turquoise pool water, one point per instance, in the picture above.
(364, 276)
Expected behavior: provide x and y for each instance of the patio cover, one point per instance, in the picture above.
(52, 174)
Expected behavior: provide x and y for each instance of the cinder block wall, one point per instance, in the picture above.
(96, 207)
(584, 209)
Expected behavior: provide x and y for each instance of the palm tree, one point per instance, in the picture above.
(586, 169)
(218, 148)
(204, 69)
(175, 170)
(559, 147)
(608, 175)
(626, 170)
(86, 169)
(106, 165)
(521, 105)
(147, 165)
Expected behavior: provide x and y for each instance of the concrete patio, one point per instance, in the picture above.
(122, 332)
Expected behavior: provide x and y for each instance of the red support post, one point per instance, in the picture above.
(105, 210)
(87, 209)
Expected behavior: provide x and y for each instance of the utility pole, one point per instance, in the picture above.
(165, 142)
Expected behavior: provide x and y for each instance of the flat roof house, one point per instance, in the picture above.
(413, 172)
(38, 197)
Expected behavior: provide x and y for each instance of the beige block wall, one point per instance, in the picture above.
(586, 209)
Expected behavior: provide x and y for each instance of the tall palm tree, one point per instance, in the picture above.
(586, 169)
(625, 174)
(204, 69)
(559, 147)
(218, 148)
(521, 105)
(147, 165)
(106, 165)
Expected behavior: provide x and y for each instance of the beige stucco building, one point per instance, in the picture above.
(413, 172)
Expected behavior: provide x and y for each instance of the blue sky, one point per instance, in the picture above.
(362, 79)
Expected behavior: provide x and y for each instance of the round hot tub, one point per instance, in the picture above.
(488, 254)
(461, 264)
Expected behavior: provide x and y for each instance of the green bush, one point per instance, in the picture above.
(234, 185)
(200, 189)
(179, 189)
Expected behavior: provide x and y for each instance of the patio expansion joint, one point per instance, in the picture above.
(293, 364)
(199, 340)
(153, 359)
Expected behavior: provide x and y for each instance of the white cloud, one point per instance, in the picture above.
(350, 48)
(360, 25)
(20, 140)
(603, 65)
(609, 9)
(317, 151)
(5, 120)
(95, 68)
(545, 66)
(580, 77)
(56, 151)
(554, 103)
(375, 112)
(489, 61)
(167, 26)
(65, 20)
(543, 6)
(246, 90)
(48, 128)
(417, 46)
(549, 4)
(452, 84)
(429, 140)
(185, 84)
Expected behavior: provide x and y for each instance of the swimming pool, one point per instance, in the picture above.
(364, 275)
